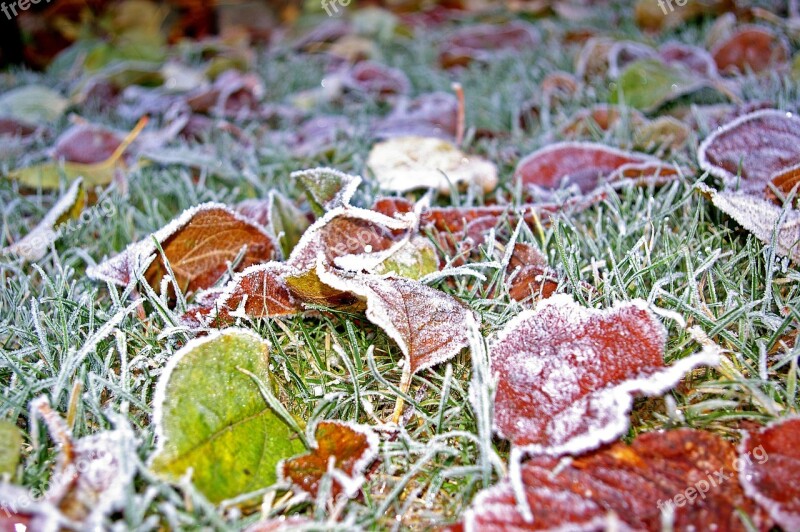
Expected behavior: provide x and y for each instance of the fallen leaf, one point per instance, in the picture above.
(433, 114)
(342, 450)
(761, 217)
(34, 104)
(199, 245)
(319, 135)
(649, 14)
(567, 374)
(483, 42)
(259, 291)
(47, 176)
(649, 84)
(529, 274)
(747, 152)
(751, 48)
(86, 144)
(233, 94)
(581, 164)
(769, 462)
(427, 325)
(211, 417)
(377, 80)
(693, 58)
(414, 260)
(663, 132)
(34, 246)
(288, 223)
(629, 487)
(10, 447)
(326, 188)
(786, 180)
(407, 163)
(600, 118)
(92, 473)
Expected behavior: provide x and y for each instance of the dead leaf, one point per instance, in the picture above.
(407, 163)
(567, 373)
(433, 114)
(199, 246)
(483, 42)
(86, 144)
(628, 487)
(748, 151)
(751, 48)
(341, 450)
(376, 80)
(529, 274)
(583, 165)
(769, 466)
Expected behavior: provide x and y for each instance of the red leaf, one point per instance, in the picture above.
(567, 373)
(259, 291)
(623, 487)
(582, 164)
(770, 467)
(751, 48)
(198, 244)
(86, 144)
(344, 449)
(432, 114)
(755, 147)
(529, 274)
(378, 80)
(482, 42)
(691, 57)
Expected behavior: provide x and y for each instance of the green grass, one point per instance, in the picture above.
(667, 246)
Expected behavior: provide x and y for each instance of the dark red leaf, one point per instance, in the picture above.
(751, 48)
(483, 42)
(86, 144)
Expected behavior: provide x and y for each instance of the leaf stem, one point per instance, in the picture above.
(405, 384)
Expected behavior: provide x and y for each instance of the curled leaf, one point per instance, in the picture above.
(567, 374)
(199, 245)
(343, 450)
(34, 245)
(748, 151)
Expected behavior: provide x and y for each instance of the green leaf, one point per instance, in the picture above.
(33, 103)
(10, 443)
(211, 417)
(327, 188)
(414, 260)
(648, 84)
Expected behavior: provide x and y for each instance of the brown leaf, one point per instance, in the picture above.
(752, 48)
(343, 449)
(567, 374)
(747, 152)
(199, 244)
(428, 325)
(689, 473)
(770, 467)
(529, 274)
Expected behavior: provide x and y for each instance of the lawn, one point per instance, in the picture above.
(720, 281)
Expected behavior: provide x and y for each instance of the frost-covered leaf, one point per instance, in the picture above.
(33, 104)
(529, 274)
(664, 131)
(86, 144)
(584, 165)
(34, 245)
(433, 114)
(600, 118)
(377, 80)
(259, 291)
(751, 48)
(762, 218)
(650, 15)
(349, 231)
(683, 477)
(648, 84)
(211, 416)
(233, 94)
(428, 325)
(326, 188)
(484, 41)
(199, 245)
(92, 473)
(770, 467)
(414, 260)
(10, 447)
(748, 151)
(787, 179)
(48, 175)
(343, 450)
(407, 163)
(567, 374)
